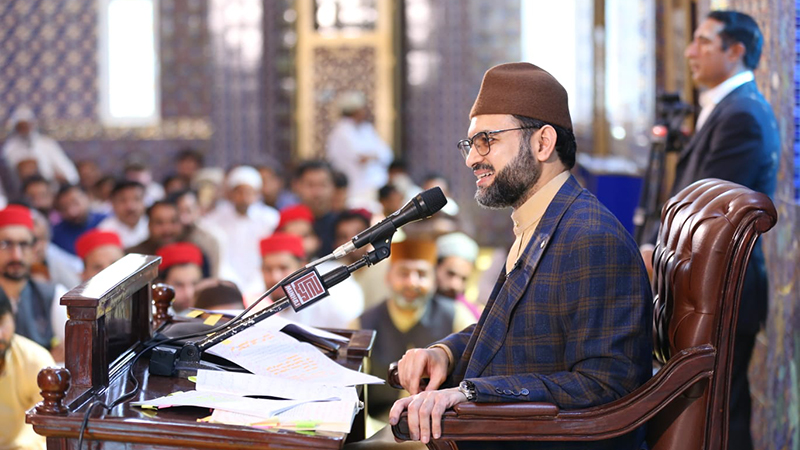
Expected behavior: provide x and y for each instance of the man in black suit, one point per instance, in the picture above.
(736, 138)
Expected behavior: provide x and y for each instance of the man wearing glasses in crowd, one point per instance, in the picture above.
(32, 301)
(569, 321)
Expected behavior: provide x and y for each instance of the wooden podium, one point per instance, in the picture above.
(110, 319)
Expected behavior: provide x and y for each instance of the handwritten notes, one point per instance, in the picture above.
(317, 393)
(268, 352)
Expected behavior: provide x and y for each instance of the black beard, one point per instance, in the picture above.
(16, 275)
(512, 183)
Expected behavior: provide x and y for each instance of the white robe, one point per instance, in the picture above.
(50, 158)
(347, 144)
(239, 237)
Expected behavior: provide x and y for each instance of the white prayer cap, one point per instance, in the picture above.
(351, 101)
(457, 244)
(21, 113)
(212, 175)
(244, 175)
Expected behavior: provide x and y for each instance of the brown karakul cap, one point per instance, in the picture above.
(414, 249)
(524, 90)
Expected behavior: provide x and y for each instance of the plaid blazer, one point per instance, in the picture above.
(571, 323)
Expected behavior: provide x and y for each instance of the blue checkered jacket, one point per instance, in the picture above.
(571, 323)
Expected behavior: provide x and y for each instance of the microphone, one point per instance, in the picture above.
(422, 206)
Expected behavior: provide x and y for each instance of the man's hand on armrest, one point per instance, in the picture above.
(425, 411)
(419, 363)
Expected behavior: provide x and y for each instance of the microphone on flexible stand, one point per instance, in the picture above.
(306, 286)
(421, 206)
(302, 290)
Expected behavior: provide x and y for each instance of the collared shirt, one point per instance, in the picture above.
(129, 236)
(709, 99)
(527, 216)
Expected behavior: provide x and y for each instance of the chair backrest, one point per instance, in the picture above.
(708, 231)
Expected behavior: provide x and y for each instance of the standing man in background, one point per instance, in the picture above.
(355, 149)
(736, 138)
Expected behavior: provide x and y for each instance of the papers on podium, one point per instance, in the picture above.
(336, 416)
(264, 351)
(314, 391)
(269, 386)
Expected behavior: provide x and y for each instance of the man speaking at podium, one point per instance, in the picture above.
(569, 320)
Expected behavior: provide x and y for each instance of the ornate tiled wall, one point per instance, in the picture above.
(339, 69)
(278, 80)
(185, 58)
(49, 58)
(449, 45)
(50, 63)
(774, 369)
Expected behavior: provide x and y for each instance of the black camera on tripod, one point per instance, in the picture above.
(670, 114)
(667, 136)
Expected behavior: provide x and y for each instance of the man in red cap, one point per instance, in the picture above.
(299, 221)
(34, 302)
(98, 249)
(282, 254)
(181, 268)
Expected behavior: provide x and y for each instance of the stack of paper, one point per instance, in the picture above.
(304, 389)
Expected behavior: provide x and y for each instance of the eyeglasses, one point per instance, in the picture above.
(24, 246)
(481, 141)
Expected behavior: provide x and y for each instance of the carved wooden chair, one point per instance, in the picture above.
(707, 234)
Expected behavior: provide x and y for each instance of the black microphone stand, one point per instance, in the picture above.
(168, 361)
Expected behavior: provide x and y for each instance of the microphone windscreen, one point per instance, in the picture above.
(433, 200)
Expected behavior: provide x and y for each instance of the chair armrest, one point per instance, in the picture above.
(505, 410)
(545, 422)
(393, 379)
